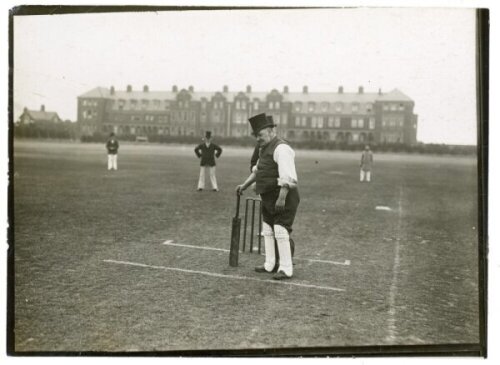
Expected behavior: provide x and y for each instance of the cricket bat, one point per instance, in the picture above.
(235, 235)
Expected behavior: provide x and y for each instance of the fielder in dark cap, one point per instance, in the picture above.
(112, 146)
(276, 182)
(207, 152)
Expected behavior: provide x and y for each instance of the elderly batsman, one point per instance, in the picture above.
(276, 182)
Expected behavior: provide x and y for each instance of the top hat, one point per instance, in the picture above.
(270, 119)
(208, 134)
(261, 121)
(111, 134)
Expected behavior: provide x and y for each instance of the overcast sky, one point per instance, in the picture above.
(429, 54)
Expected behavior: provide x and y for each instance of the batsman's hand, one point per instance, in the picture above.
(280, 202)
(240, 188)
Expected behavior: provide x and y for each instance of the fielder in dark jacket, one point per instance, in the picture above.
(112, 146)
(207, 152)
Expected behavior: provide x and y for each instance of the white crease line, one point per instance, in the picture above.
(391, 321)
(345, 263)
(206, 273)
(170, 243)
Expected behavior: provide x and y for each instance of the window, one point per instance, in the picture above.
(237, 105)
(394, 107)
(270, 105)
(310, 107)
(320, 122)
(324, 107)
(145, 103)
(337, 122)
(371, 123)
(243, 104)
(121, 104)
(354, 107)
(304, 122)
(330, 122)
(133, 103)
(309, 122)
(313, 122)
(401, 107)
(255, 105)
(298, 106)
(277, 105)
(369, 107)
(354, 123)
(361, 123)
(339, 107)
(156, 104)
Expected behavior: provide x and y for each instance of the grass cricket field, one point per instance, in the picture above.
(137, 259)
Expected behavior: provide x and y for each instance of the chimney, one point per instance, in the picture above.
(145, 88)
(174, 88)
(285, 90)
(112, 90)
(305, 89)
(225, 89)
(379, 91)
(249, 88)
(191, 89)
(341, 89)
(42, 108)
(129, 88)
(360, 90)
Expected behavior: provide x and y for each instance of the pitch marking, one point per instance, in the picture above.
(171, 243)
(391, 321)
(381, 207)
(224, 276)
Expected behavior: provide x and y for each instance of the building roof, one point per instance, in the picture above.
(42, 116)
(318, 97)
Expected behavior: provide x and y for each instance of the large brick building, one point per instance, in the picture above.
(352, 117)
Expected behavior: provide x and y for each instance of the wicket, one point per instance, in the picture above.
(252, 202)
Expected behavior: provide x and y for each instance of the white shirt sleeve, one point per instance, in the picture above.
(284, 156)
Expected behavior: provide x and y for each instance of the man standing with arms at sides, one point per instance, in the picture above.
(366, 164)
(276, 182)
(207, 152)
(112, 146)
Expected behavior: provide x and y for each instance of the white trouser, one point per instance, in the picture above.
(213, 179)
(362, 175)
(112, 162)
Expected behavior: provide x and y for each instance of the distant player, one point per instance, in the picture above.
(207, 152)
(112, 146)
(276, 182)
(366, 165)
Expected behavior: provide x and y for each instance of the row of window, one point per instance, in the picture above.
(310, 107)
(392, 122)
(92, 103)
(334, 122)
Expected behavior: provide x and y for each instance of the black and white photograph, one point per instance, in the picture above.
(259, 181)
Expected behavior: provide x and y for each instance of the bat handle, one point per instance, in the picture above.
(237, 205)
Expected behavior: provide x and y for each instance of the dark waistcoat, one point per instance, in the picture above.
(267, 169)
